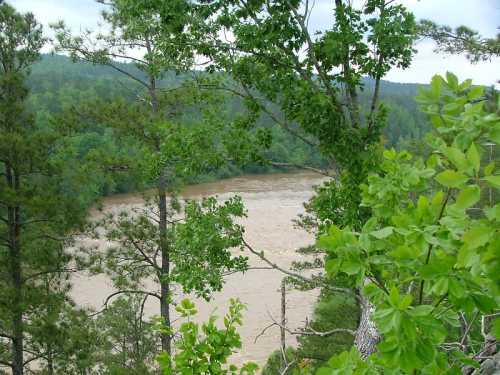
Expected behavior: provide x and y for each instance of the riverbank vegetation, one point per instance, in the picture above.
(407, 251)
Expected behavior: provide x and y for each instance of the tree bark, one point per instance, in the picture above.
(166, 339)
(165, 265)
(367, 335)
(283, 325)
(13, 217)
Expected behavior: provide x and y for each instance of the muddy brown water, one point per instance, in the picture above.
(272, 201)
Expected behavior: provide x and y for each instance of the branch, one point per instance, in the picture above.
(306, 331)
(321, 72)
(429, 250)
(148, 260)
(48, 272)
(296, 275)
(248, 269)
(112, 295)
(293, 165)
(131, 76)
(467, 330)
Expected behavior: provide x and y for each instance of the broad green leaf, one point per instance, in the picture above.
(473, 157)
(422, 310)
(466, 256)
(332, 266)
(484, 302)
(440, 287)
(477, 236)
(495, 328)
(426, 352)
(495, 134)
(475, 93)
(456, 288)
(457, 157)
(493, 213)
(405, 302)
(452, 80)
(382, 233)
(394, 297)
(351, 266)
(436, 84)
(488, 170)
(468, 197)
(493, 181)
(450, 178)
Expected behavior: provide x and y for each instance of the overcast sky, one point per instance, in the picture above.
(482, 15)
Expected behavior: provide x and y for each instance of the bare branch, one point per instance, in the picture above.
(297, 275)
(293, 165)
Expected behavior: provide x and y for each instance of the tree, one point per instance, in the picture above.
(127, 343)
(430, 249)
(314, 80)
(174, 139)
(37, 217)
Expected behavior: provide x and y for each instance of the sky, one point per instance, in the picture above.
(481, 15)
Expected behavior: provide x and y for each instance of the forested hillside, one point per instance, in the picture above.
(58, 84)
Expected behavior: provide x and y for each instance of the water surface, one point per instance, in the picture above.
(272, 201)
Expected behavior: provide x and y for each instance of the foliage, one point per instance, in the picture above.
(432, 265)
(126, 343)
(206, 349)
(200, 236)
(275, 365)
(37, 215)
(317, 350)
(461, 40)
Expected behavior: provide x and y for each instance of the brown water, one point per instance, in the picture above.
(272, 201)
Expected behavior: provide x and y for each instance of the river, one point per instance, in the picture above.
(272, 201)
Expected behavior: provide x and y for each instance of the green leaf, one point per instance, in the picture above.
(493, 213)
(493, 181)
(351, 266)
(436, 84)
(425, 351)
(450, 178)
(484, 303)
(457, 157)
(452, 81)
(382, 233)
(488, 170)
(422, 310)
(477, 237)
(468, 197)
(394, 297)
(405, 302)
(495, 328)
(475, 93)
(495, 134)
(440, 287)
(473, 157)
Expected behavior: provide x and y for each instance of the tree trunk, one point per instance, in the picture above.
(283, 325)
(165, 265)
(166, 340)
(16, 275)
(367, 335)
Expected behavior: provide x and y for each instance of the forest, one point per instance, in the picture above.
(394, 243)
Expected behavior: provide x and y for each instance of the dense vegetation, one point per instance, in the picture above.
(407, 242)
(57, 84)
